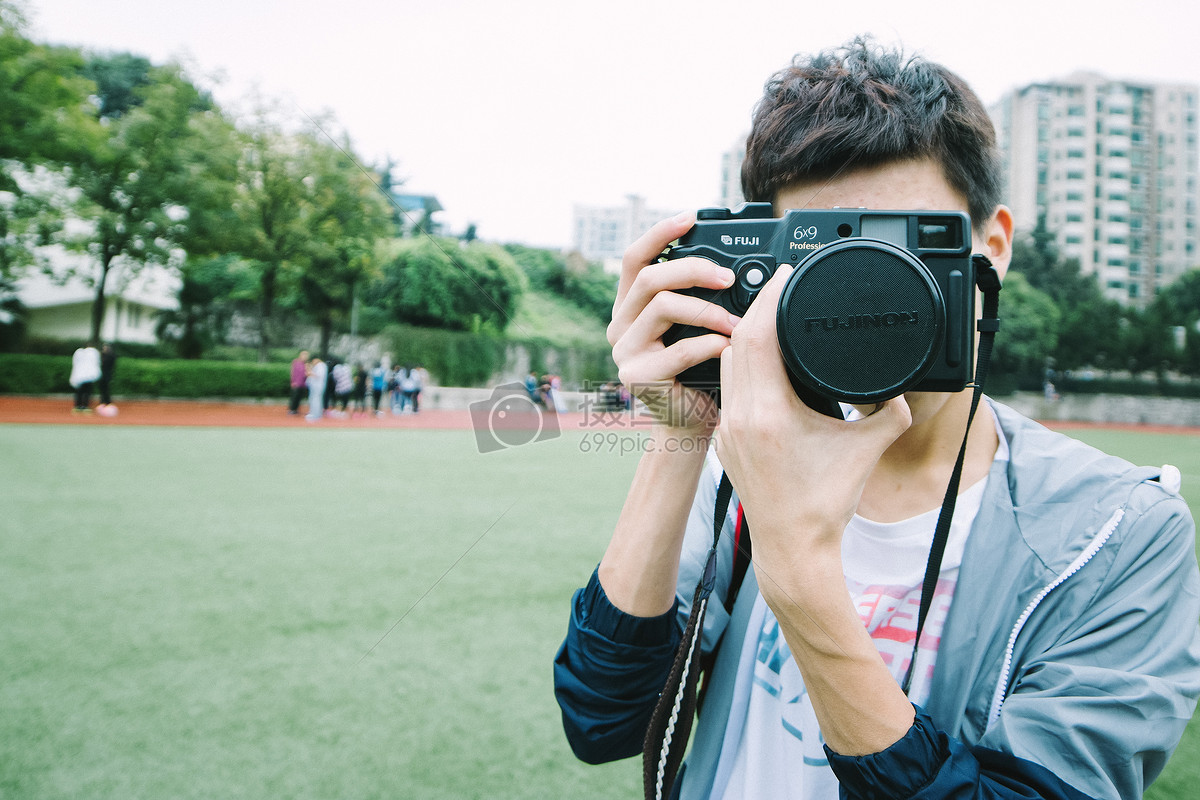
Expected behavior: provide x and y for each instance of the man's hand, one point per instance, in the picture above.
(799, 475)
(795, 469)
(647, 305)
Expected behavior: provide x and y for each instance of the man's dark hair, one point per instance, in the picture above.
(861, 105)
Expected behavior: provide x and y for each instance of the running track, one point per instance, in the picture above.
(57, 411)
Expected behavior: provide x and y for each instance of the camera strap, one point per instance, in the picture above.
(988, 281)
(671, 723)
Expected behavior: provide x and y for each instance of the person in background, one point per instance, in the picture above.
(85, 371)
(359, 395)
(318, 377)
(299, 382)
(379, 381)
(343, 387)
(108, 366)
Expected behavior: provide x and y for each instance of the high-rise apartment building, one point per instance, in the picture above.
(731, 174)
(1112, 167)
(603, 232)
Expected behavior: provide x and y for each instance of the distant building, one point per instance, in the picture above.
(1112, 166)
(61, 307)
(414, 212)
(731, 174)
(603, 232)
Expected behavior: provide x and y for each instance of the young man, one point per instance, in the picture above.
(1061, 656)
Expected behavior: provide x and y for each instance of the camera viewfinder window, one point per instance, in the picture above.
(939, 234)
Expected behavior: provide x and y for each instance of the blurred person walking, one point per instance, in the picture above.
(108, 365)
(318, 374)
(299, 382)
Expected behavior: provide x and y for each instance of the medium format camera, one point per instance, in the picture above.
(879, 303)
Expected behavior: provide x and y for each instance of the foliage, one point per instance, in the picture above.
(1179, 307)
(209, 295)
(1095, 332)
(44, 119)
(453, 358)
(120, 80)
(133, 183)
(1027, 332)
(150, 171)
(268, 225)
(347, 219)
(585, 284)
(443, 283)
(43, 98)
(145, 377)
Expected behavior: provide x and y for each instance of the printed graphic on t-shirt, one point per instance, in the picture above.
(890, 614)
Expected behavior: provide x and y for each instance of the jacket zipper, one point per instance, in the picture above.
(999, 696)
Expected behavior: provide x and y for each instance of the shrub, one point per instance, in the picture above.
(144, 377)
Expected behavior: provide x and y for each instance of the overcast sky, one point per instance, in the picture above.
(512, 111)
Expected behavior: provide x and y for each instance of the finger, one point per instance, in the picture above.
(671, 308)
(756, 342)
(644, 336)
(665, 364)
(892, 415)
(766, 302)
(669, 276)
(649, 246)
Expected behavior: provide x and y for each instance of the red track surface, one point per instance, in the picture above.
(57, 411)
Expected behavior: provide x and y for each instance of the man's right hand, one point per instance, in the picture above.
(647, 305)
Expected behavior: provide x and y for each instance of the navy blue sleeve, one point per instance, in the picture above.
(928, 765)
(608, 674)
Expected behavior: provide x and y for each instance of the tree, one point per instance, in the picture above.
(120, 79)
(347, 216)
(268, 227)
(44, 119)
(1028, 331)
(1087, 332)
(132, 183)
(211, 291)
(1178, 306)
(443, 283)
(584, 283)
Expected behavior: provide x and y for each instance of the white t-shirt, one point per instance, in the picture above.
(773, 746)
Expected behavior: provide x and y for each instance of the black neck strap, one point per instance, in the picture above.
(671, 724)
(988, 281)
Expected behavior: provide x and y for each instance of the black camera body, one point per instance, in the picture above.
(880, 302)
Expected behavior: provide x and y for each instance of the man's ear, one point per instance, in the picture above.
(998, 239)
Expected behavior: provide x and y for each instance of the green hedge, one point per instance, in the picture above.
(458, 358)
(145, 377)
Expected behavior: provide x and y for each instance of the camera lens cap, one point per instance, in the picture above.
(860, 321)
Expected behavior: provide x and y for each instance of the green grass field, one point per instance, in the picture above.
(228, 613)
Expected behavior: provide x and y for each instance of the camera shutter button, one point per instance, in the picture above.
(750, 279)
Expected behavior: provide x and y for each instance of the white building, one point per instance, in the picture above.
(61, 308)
(731, 174)
(1112, 166)
(603, 232)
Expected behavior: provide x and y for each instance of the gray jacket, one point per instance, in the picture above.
(1073, 638)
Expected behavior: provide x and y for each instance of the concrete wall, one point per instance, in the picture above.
(1107, 408)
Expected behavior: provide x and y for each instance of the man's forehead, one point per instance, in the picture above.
(917, 184)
